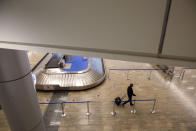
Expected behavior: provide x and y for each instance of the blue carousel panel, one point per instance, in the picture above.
(77, 63)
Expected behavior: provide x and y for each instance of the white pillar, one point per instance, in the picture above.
(17, 94)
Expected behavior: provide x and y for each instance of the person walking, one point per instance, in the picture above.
(130, 93)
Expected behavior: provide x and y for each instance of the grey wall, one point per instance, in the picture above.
(117, 29)
(180, 37)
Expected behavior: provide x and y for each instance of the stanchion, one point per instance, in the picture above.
(182, 74)
(113, 109)
(128, 75)
(149, 77)
(133, 110)
(109, 74)
(62, 107)
(113, 113)
(153, 108)
(88, 113)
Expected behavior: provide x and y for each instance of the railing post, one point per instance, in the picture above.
(133, 110)
(128, 75)
(153, 108)
(149, 77)
(88, 113)
(62, 107)
(113, 109)
(182, 74)
(109, 74)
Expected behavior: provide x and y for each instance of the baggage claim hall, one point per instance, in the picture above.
(98, 65)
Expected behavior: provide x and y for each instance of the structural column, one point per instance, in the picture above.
(17, 94)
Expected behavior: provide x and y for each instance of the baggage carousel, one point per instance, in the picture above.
(63, 72)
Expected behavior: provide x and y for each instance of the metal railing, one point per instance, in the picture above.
(113, 113)
(62, 106)
(133, 110)
(182, 74)
(127, 76)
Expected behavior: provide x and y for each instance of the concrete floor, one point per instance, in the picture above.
(175, 107)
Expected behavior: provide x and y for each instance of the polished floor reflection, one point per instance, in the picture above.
(175, 107)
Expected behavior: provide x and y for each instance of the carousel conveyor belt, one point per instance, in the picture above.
(58, 79)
